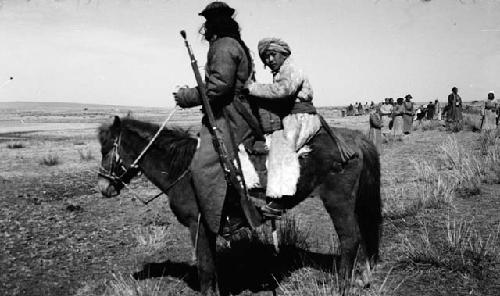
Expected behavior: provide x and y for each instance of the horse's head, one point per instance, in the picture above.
(115, 171)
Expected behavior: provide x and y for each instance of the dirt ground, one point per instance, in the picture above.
(58, 236)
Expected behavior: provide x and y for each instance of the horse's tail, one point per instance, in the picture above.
(368, 202)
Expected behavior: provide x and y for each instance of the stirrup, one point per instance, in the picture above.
(233, 226)
(271, 213)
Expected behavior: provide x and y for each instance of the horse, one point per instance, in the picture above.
(350, 191)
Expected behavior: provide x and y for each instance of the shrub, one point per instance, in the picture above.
(50, 159)
(16, 146)
(86, 155)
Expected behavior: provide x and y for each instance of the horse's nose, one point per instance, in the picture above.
(106, 188)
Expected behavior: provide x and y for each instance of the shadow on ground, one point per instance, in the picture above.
(245, 266)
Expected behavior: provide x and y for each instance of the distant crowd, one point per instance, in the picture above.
(395, 119)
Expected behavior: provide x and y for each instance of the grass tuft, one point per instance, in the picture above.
(50, 159)
(468, 169)
(460, 248)
(16, 145)
(85, 155)
(151, 239)
(122, 285)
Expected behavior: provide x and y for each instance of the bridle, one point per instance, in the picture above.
(121, 180)
(115, 161)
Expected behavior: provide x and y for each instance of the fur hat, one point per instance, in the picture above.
(217, 8)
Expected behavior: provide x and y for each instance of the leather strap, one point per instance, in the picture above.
(249, 118)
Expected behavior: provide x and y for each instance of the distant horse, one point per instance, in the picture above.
(350, 192)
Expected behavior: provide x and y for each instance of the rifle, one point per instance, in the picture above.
(232, 173)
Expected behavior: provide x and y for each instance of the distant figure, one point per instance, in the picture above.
(454, 116)
(408, 115)
(360, 109)
(386, 115)
(489, 112)
(397, 117)
(420, 114)
(437, 108)
(375, 133)
(431, 108)
(350, 110)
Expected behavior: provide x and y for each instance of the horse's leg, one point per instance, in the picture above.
(338, 193)
(193, 232)
(206, 256)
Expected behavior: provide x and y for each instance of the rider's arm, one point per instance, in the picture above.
(223, 58)
(287, 83)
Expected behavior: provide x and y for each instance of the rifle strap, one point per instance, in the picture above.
(346, 152)
(249, 118)
(253, 217)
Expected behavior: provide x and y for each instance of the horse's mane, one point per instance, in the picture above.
(174, 147)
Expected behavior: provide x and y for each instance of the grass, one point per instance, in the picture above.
(78, 143)
(488, 139)
(50, 159)
(428, 125)
(467, 168)
(85, 155)
(151, 239)
(460, 248)
(472, 122)
(16, 145)
(122, 285)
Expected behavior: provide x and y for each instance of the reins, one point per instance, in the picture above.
(110, 175)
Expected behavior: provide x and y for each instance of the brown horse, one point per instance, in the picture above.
(350, 192)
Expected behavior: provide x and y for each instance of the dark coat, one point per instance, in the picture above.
(227, 70)
(454, 108)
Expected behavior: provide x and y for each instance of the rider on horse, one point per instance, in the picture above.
(229, 65)
(286, 111)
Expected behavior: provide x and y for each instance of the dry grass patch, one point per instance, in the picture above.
(468, 169)
(151, 238)
(50, 159)
(472, 122)
(79, 143)
(16, 145)
(85, 155)
(122, 285)
(311, 282)
(460, 248)
(428, 125)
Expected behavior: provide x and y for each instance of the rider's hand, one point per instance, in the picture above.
(177, 93)
(245, 90)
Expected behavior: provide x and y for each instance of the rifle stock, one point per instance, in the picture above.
(232, 173)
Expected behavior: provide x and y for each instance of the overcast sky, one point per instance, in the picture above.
(129, 52)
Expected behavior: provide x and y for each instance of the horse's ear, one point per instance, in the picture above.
(116, 124)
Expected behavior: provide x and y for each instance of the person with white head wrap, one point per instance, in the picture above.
(289, 98)
(489, 112)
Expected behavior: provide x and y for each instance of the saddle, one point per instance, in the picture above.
(276, 159)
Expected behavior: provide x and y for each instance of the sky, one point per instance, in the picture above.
(129, 52)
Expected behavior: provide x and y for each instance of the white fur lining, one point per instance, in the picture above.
(248, 169)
